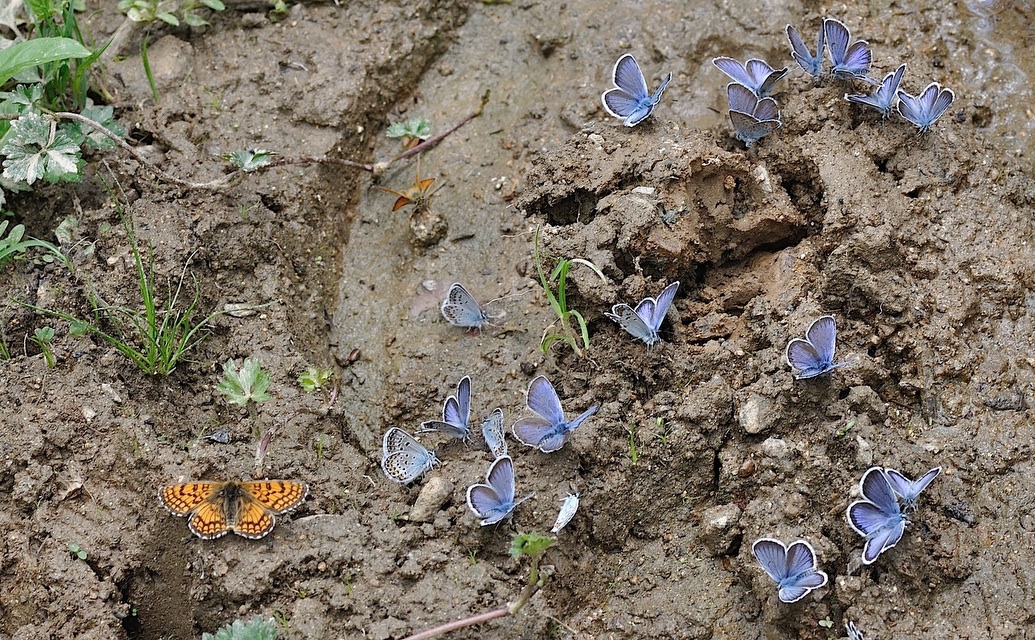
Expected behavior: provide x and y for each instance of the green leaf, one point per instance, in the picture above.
(413, 128)
(530, 544)
(33, 53)
(254, 629)
(32, 153)
(247, 384)
(215, 5)
(168, 18)
(194, 20)
(249, 159)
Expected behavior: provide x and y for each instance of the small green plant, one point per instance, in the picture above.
(255, 629)
(412, 131)
(320, 439)
(845, 429)
(826, 623)
(249, 159)
(472, 556)
(244, 385)
(14, 247)
(148, 11)
(76, 552)
(282, 620)
(156, 338)
(314, 378)
(346, 580)
(555, 286)
(659, 424)
(43, 336)
(634, 453)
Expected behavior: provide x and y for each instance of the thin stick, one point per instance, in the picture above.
(502, 612)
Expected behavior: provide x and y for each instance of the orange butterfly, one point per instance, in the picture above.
(246, 508)
(419, 195)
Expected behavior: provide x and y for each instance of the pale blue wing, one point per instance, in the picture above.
(882, 540)
(406, 466)
(764, 76)
(655, 97)
(925, 110)
(574, 424)
(735, 71)
(445, 428)
(909, 108)
(794, 589)
(856, 62)
(462, 310)
(772, 556)
(620, 104)
(484, 503)
(883, 99)
(494, 433)
(876, 488)
(837, 36)
(801, 355)
(628, 319)
(801, 559)
(501, 478)
(543, 400)
(767, 109)
(750, 129)
(741, 98)
(459, 412)
(662, 305)
(628, 77)
(941, 103)
(910, 490)
(533, 430)
(811, 64)
(822, 334)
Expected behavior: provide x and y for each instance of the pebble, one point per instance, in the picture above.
(435, 493)
(757, 414)
(775, 448)
(719, 528)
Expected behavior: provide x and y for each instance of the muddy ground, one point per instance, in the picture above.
(920, 247)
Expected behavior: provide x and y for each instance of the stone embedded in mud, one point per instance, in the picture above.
(435, 493)
(719, 526)
(757, 414)
(427, 227)
(776, 448)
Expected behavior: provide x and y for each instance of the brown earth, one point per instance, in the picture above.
(920, 247)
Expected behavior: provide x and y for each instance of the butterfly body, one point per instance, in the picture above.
(403, 459)
(883, 99)
(494, 500)
(548, 431)
(644, 321)
(249, 509)
(456, 413)
(877, 516)
(814, 355)
(792, 567)
(460, 309)
(629, 99)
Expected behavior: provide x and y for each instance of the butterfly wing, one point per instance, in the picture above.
(662, 305)
(736, 71)
(181, 499)
(837, 36)
(889, 88)
(767, 76)
(822, 334)
(619, 103)
(627, 76)
(750, 129)
(856, 62)
(542, 399)
(909, 108)
(772, 556)
(811, 64)
(799, 587)
(447, 428)
(501, 478)
(655, 97)
(883, 539)
(767, 109)
(279, 496)
(935, 101)
(461, 309)
(567, 512)
(574, 424)
(250, 518)
(801, 355)
(909, 490)
(633, 323)
(876, 488)
(395, 439)
(209, 519)
(484, 503)
(534, 431)
(741, 98)
(463, 402)
(494, 433)
(404, 466)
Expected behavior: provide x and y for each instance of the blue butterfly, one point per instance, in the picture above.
(456, 413)
(812, 64)
(547, 431)
(909, 490)
(756, 74)
(629, 100)
(403, 459)
(643, 322)
(877, 517)
(752, 119)
(848, 61)
(494, 433)
(793, 568)
(494, 500)
(853, 631)
(567, 512)
(814, 356)
(462, 310)
(924, 111)
(883, 99)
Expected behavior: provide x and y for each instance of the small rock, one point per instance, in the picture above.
(864, 452)
(719, 528)
(436, 492)
(89, 414)
(757, 414)
(776, 448)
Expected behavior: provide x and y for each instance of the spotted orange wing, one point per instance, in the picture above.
(181, 499)
(278, 496)
(209, 519)
(252, 520)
